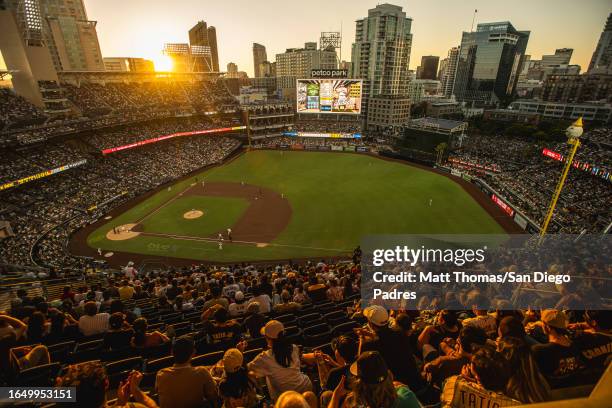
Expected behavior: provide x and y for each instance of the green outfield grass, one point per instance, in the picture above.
(335, 198)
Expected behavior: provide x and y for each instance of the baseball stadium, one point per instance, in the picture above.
(195, 237)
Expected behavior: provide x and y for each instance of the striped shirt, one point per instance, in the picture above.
(90, 325)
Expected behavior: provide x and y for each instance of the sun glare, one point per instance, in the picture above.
(162, 63)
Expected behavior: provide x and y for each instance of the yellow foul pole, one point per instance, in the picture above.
(573, 134)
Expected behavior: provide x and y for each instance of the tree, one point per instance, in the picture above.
(440, 149)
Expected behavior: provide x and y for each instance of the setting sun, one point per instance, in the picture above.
(163, 63)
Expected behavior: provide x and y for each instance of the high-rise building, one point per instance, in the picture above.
(447, 76)
(380, 56)
(232, 68)
(562, 56)
(601, 61)
(63, 28)
(429, 67)
(577, 88)
(490, 60)
(200, 35)
(259, 56)
(296, 63)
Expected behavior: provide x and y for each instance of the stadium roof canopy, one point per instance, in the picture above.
(438, 125)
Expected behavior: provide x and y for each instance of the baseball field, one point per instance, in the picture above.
(288, 205)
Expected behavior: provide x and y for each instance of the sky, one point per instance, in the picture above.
(139, 28)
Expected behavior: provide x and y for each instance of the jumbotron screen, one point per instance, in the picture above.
(329, 96)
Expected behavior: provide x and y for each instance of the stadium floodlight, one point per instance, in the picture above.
(573, 132)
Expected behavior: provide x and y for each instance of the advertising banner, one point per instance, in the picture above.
(171, 136)
(40, 175)
(362, 149)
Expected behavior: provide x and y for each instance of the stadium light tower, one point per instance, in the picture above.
(573, 140)
(331, 39)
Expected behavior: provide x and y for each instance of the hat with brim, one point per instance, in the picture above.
(370, 368)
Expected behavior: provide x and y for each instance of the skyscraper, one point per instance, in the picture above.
(63, 27)
(601, 61)
(296, 63)
(489, 64)
(428, 67)
(200, 35)
(381, 52)
(447, 76)
(259, 56)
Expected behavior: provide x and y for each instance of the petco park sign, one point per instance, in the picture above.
(329, 73)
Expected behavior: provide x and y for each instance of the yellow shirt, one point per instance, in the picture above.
(184, 386)
(126, 292)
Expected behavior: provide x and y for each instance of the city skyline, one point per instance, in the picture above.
(120, 35)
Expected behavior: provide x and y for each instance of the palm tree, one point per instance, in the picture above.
(440, 148)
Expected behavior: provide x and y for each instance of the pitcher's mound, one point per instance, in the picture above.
(122, 232)
(193, 214)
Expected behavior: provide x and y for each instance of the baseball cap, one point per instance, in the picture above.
(232, 360)
(555, 318)
(272, 329)
(377, 315)
(239, 295)
(370, 367)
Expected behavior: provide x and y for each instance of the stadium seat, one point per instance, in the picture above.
(258, 342)
(155, 352)
(207, 359)
(86, 351)
(287, 319)
(335, 318)
(118, 371)
(306, 319)
(293, 334)
(344, 328)
(40, 376)
(60, 351)
(325, 348)
(316, 335)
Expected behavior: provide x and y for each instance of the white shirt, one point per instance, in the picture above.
(90, 325)
(278, 378)
(237, 309)
(264, 303)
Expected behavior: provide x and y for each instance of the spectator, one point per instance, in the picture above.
(92, 322)
(144, 339)
(239, 307)
(221, 330)
(291, 399)
(443, 367)
(286, 305)
(265, 303)
(559, 359)
(183, 385)
(378, 336)
(91, 383)
(236, 389)
(119, 333)
(482, 319)
(447, 326)
(280, 364)
(484, 380)
(526, 383)
(372, 386)
(216, 299)
(126, 291)
(254, 321)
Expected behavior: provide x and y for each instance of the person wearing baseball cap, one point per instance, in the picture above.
(236, 388)
(559, 359)
(239, 307)
(371, 384)
(280, 363)
(392, 345)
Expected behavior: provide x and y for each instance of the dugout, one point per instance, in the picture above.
(423, 135)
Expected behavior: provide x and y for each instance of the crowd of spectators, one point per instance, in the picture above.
(91, 105)
(15, 109)
(518, 170)
(48, 210)
(294, 336)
